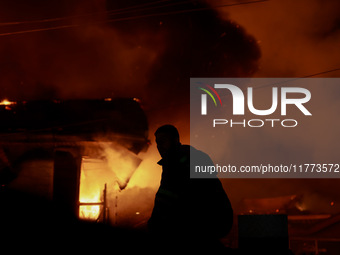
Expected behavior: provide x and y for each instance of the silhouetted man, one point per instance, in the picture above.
(187, 209)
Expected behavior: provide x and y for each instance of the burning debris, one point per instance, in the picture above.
(92, 143)
(100, 139)
(6, 102)
(113, 168)
(283, 204)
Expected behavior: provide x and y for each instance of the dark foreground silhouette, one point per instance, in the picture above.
(32, 224)
(191, 213)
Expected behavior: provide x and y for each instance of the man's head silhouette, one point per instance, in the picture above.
(167, 139)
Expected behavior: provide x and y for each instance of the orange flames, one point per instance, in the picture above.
(95, 175)
(89, 190)
(114, 167)
(6, 102)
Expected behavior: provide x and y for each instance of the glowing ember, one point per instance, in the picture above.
(6, 102)
(137, 100)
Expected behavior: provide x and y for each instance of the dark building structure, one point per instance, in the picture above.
(64, 131)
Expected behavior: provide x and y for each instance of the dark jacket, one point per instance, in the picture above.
(190, 206)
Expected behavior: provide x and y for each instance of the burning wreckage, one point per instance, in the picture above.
(52, 149)
(56, 149)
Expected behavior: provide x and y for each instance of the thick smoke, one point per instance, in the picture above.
(151, 57)
(297, 38)
(86, 61)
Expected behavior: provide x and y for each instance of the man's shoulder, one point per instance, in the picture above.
(195, 153)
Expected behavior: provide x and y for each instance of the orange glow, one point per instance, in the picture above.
(6, 102)
(113, 166)
(89, 191)
(89, 212)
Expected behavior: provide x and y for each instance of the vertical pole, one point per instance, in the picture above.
(316, 247)
(116, 206)
(104, 205)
